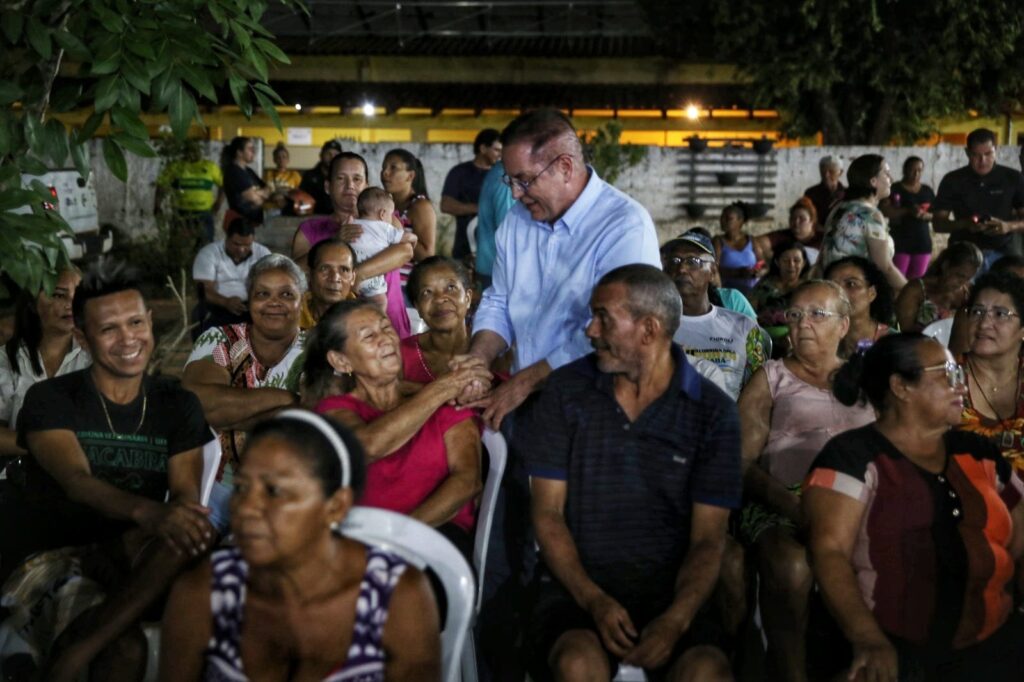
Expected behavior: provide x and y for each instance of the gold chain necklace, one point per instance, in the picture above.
(110, 424)
(984, 395)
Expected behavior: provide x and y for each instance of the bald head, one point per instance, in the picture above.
(545, 131)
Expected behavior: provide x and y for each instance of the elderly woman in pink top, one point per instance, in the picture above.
(423, 454)
(787, 414)
(347, 178)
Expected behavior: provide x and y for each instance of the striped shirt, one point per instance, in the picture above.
(632, 485)
(931, 556)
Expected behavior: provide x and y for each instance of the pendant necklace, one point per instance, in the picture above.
(110, 424)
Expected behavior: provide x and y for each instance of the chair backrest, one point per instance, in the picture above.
(940, 330)
(422, 546)
(211, 463)
(497, 457)
(471, 234)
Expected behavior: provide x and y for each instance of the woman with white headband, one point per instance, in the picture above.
(293, 599)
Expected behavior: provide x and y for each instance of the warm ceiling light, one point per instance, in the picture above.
(369, 109)
(298, 107)
(692, 112)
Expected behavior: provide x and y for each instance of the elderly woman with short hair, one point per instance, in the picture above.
(787, 413)
(243, 373)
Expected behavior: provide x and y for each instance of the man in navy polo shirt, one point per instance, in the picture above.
(634, 467)
(982, 202)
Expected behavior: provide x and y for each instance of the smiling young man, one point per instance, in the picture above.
(108, 445)
(634, 466)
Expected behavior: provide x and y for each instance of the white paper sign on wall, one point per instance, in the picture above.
(300, 136)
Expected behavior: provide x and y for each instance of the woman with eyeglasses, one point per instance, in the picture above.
(771, 295)
(993, 405)
(914, 527)
(787, 413)
(870, 296)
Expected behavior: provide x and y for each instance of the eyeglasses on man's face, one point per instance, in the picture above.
(523, 186)
(955, 376)
(690, 263)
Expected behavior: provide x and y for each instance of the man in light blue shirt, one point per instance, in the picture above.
(568, 229)
(496, 201)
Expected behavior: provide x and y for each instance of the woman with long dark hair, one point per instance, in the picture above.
(402, 174)
(42, 347)
(870, 297)
(856, 227)
(244, 189)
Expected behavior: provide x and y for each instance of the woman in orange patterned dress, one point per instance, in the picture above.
(994, 406)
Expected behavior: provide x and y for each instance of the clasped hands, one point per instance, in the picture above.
(477, 393)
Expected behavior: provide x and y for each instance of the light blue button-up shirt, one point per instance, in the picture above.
(543, 274)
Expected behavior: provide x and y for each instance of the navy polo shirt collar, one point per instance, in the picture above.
(685, 380)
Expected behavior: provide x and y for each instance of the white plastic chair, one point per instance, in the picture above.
(471, 235)
(423, 546)
(497, 457)
(940, 330)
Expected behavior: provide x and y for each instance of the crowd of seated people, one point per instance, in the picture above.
(746, 419)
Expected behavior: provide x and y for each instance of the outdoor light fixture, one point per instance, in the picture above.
(369, 109)
(692, 112)
(298, 107)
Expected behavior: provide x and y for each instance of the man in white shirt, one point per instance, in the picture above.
(220, 271)
(730, 340)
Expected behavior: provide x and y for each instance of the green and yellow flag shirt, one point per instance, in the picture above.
(193, 183)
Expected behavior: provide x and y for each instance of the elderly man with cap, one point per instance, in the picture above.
(313, 179)
(829, 192)
(732, 341)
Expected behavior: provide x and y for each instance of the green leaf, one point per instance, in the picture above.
(6, 138)
(55, 140)
(268, 108)
(80, 157)
(11, 23)
(9, 92)
(31, 165)
(269, 92)
(33, 133)
(140, 47)
(240, 93)
(272, 51)
(134, 145)
(241, 35)
(163, 88)
(8, 174)
(258, 63)
(74, 47)
(198, 80)
(180, 110)
(16, 198)
(138, 78)
(107, 91)
(114, 157)
(42, 192)
(110, 20)
(90, 127)
(39, 38)
(129, 121)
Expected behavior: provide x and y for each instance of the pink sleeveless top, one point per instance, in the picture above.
(405, 478)
(804, 418)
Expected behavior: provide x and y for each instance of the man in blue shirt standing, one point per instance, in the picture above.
(634, 466)
(568, 229)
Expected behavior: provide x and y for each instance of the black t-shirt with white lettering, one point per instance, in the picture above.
(136, 464)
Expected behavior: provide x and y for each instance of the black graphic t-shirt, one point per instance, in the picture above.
(136, 464)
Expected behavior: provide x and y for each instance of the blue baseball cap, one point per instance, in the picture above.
(698, 239)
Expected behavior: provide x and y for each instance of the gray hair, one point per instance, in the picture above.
(830, 162)
(276, 261)
(651, 293)
(843, 306)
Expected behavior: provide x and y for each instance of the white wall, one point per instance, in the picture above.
(658, 182)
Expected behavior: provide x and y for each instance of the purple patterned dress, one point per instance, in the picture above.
(365, 659)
